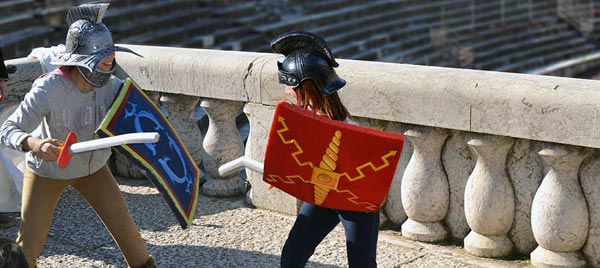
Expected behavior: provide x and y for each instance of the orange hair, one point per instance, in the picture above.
(310, 98)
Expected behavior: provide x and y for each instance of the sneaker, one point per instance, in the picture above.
(6, 221)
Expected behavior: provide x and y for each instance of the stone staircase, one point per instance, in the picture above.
(509, 35)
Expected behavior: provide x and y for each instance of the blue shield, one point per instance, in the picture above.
(166, 163)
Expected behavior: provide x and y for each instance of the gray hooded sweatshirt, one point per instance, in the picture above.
(53, 107)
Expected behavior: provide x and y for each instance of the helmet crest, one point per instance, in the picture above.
(292, 41)
(93, 12)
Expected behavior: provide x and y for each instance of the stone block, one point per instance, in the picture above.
(590, 182)
(525, 172)
(458, 163)
(260, 195)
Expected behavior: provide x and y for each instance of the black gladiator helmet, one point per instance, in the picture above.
(307, 56)
(88, 42)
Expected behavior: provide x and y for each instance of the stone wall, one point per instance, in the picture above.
(506, 163)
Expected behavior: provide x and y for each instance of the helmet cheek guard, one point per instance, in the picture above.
(99, 78)
(287, 78)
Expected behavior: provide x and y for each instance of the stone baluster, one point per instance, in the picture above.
(221, 145)
(559, 215)
(425, 189)
(181, 116)
(489, 198)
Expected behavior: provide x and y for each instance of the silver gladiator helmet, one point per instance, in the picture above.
(88, 42)
(307, 56)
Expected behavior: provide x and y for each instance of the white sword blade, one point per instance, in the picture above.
(143, 137)
(234, 165)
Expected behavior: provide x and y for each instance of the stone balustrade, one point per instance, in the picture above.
(506, 163)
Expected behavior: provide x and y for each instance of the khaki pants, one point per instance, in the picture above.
(100, 190)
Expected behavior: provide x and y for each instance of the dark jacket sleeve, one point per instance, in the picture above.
(3, 73)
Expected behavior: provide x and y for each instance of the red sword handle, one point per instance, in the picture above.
(65, 156)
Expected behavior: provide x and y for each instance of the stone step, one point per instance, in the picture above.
(19, 43)
(149, 9)
(236, 11)
(17, 21)
(174, 35)
(159, 22)
(12, 7)
(548, 58)
(520, 40)
(310, 21)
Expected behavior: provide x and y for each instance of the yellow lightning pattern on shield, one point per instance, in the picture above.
(286, 179)
(324, 178)
(354, 199)
(292, 141)
(361, 175)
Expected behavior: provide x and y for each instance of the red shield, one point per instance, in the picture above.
(329, 163)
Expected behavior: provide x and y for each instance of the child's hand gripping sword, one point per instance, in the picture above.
(71, 146)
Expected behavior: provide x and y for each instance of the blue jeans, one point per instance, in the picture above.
(314, 223)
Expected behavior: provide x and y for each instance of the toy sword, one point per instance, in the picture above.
(71, 146)
(238, 163)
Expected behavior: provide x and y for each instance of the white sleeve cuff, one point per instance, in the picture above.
(19, 141)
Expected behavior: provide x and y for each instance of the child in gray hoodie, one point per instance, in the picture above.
(73, 98)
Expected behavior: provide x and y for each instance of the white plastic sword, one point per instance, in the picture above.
(71, 146)
(236, 164)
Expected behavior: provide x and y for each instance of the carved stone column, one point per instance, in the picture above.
(559, 216)
(489, 198)
(181, 116)
(221, 145)
(425, 193)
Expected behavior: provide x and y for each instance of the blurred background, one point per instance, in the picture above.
(556, 37)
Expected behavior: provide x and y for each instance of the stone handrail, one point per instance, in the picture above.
(505, 162)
